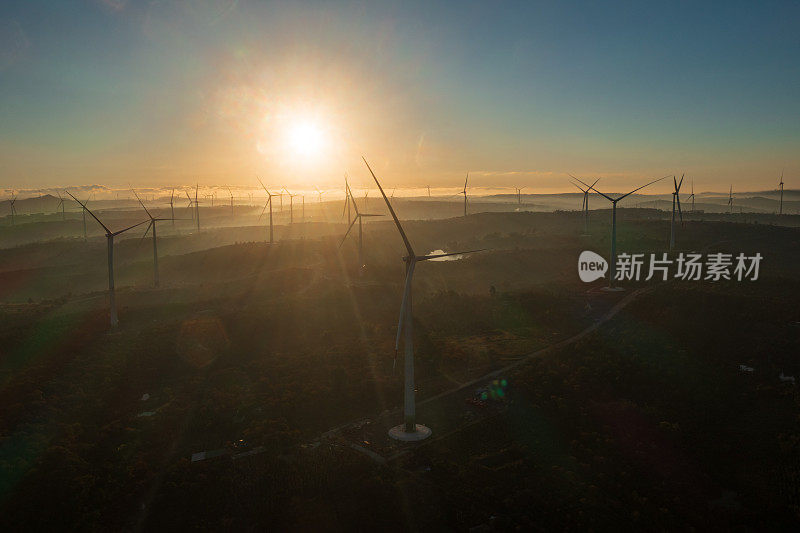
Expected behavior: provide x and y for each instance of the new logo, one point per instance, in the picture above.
(591, 266)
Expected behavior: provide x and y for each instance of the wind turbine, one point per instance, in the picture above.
(172, 206)
(197, 206)
(676, 200)
(152, 225)
(409, 430)
(358, 217)
(291, 205)
(691, 196)
(464, 192)
(519, 198)
(614, 202)
(13, 209)
(780, 209)
(730, 200)
(585, 204)
(60, 204)
(319, 195)
(110, 239)
(268, 203)
(231, 195)
(429, 191)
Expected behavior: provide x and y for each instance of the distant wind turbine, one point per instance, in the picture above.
(231, 195)
(585, 204)
(267, 204)
(691, 196)
(676, 200)
(172, 205)
(519, 198)
(614, 201)
(152, 225)
(409, 430)
(60, 205)
(13, 209)
(110, 239)
(291, 205)
(464, 192)
(780, 209)
(358, 218)
(730, 200)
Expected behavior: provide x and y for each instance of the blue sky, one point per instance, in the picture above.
(163, 92)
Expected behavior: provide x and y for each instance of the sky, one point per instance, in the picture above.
(173, 92)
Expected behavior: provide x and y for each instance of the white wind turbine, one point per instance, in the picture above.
(291, 204)
(691, 196)
(730, 200)
(358, 217)
(152, 225)
(464, 192)
(585, 204)
(13, 209)
(60, 205)
(268, 203)
(613, 273)
(110, 239)
(676, 200)
(409, 430)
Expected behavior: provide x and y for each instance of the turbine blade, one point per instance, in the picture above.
(130, 227)
(607, 197)
(353, 223)
(640, 188)
(146, 231)
(108, 231)
(394, 215)
(427, 257)
(140, 203)
(681, 182)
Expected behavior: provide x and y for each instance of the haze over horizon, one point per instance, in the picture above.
(116, 92)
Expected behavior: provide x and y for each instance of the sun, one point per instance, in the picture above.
(305, 138)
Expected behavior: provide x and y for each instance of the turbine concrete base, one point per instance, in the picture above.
(612, 289)
(400, 433)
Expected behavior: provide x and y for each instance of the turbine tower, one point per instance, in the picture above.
(268, 203)
(409, 430)
(780, 209)
(358, 218)
(614, 201)
(519, 198)
(676, 200)
(231, 195)
(112, 304)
